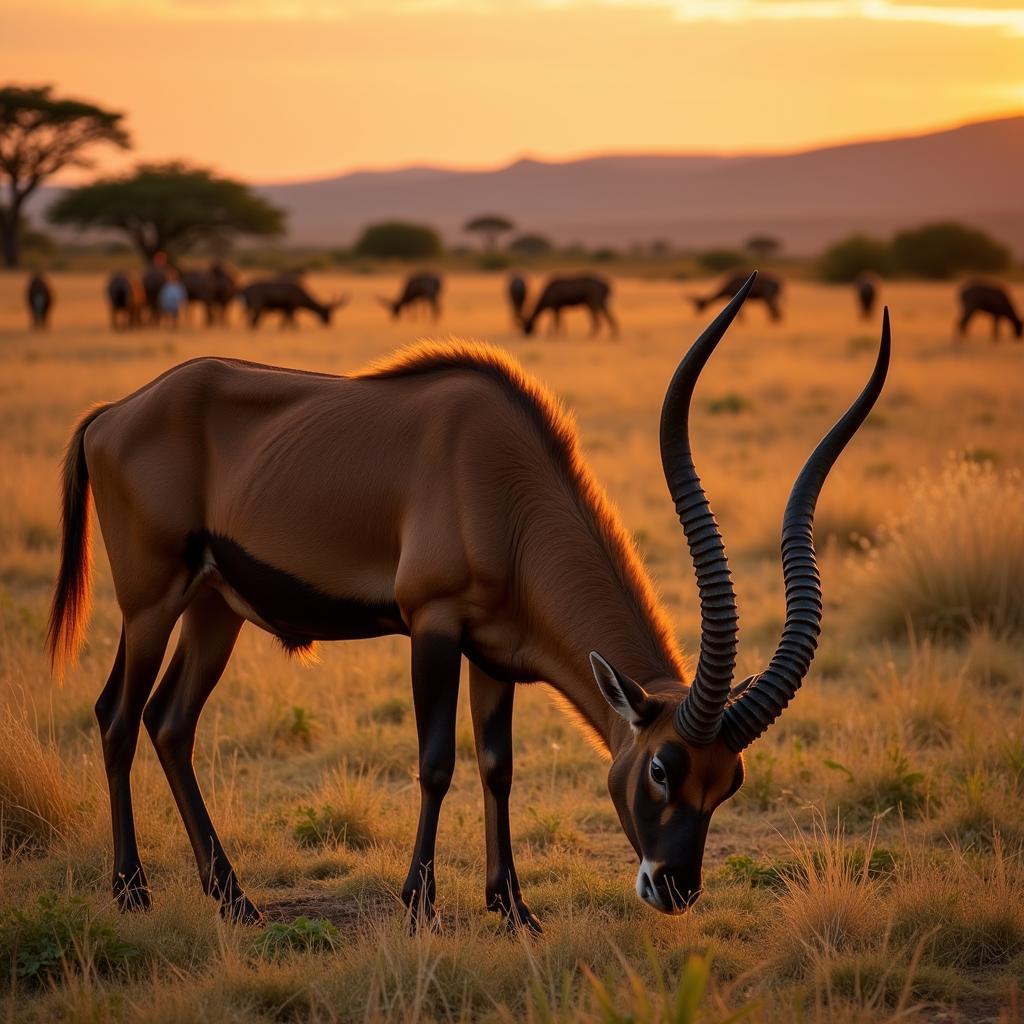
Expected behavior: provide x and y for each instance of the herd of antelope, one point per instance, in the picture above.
(133, 299)
(441, 495)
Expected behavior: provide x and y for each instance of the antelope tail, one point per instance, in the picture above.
(70, 607)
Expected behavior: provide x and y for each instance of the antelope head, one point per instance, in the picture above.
(685, 756)
(338, 302)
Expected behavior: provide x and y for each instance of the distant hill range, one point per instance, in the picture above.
(973, 173)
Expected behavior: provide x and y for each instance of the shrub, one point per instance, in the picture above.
(40, 944)
(714, 261)
(730, 404)
(845, 259)
(530, 245)
(954, 562)
(398, 240)
(943, 250)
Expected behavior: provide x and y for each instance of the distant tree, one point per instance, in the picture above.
(714, 261)
(604, 255)
(398, 240)
(946, 249)
(845, 259)
(40, 135)
(489, 226)
(763, 246)
(660, 248)
(169, 207)
(530, 245)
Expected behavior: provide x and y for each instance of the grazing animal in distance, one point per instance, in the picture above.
(214, 288)
(560, 293)
(440, 495)
(991, 298)
(39, 299)
(767, 289)
(285, 295)
(422, 289)
(127, 300)
(866, 285)
(154, 277)
(517, 297)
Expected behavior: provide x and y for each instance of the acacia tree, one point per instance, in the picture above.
(169, 207)
(41, 134)
(489, 226)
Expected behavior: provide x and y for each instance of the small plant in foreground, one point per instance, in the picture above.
(42, 943)
(304, 935)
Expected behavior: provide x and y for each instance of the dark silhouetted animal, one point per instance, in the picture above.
(440, 495)
(560, 293)
(154, 277)
(284, 295)
(993, 299)
(517, 297)
(422, 289)
(127, 299)
(39, 298)
(767, 289)
(866, 285)
(213, 288)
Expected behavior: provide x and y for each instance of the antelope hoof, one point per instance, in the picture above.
(241, 910)
(131, 891)
(518, 917)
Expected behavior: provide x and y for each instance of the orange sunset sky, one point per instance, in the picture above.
(290, 89)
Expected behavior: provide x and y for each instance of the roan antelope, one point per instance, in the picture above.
(39, 299)
(767, 289)
(284, 295)
(440, 495)
(866, 285)
(213, 288)
(127, 300)
(993, 299)
(419, 289)
(560, 293)
(517, 298)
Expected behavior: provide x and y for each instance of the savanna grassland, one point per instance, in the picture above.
(871, 867)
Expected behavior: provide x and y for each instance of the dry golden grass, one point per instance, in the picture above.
(870, 869)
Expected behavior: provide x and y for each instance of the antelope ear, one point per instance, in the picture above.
(626, 696)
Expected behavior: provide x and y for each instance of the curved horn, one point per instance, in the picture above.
(770, 692)
(699, 716)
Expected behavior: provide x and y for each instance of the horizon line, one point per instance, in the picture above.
(581, 157)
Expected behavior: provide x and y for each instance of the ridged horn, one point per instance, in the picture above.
(699, 716)
(769, 694)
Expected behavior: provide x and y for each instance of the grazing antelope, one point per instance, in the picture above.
(767, 289)
(564, 292)
(39, 299)
(440, 495)
(154, 277)
(993, 299)
(284, 295)
(517, 297)
(214, 288)
(866, 285)
(419, 289)
(127, 300)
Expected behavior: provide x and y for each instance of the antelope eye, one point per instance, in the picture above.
(658, 775)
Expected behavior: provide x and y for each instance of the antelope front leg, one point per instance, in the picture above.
(491, 702)
(436, 659)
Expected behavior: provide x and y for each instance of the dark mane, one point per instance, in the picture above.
(557, 430)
